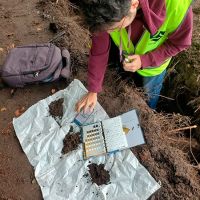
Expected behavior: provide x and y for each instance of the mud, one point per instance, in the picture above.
(56, 108)
(71, 141)
(98, 174)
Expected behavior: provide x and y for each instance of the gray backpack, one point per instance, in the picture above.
(34, 64)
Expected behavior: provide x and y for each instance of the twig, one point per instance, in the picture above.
(57, 1)
(171, 70)
(57, 36)
(167, 98)
(191, 148)
(74, 6)
(197, 109)
(198, 78)
(178, 140)
(182, 129)
(160, 96)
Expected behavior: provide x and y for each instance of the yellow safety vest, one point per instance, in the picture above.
(176, 11)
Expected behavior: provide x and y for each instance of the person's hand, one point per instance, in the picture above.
(87, 102)
(134, 63)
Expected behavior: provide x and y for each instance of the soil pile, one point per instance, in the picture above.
(98, 174)
(71, 141)
(56, 108)
(76, 39)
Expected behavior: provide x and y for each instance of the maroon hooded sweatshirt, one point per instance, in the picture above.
(150, 15)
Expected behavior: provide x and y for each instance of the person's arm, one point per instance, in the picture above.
(97, 65)
(98, 60)
(177, 42)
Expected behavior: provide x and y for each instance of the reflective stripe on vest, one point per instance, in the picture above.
(175, 14)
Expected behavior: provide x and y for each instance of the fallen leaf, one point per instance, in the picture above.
(3, 109)
(10, 34)
(12, 92)
(23, 109)
(33, 181)
(53, 91)
(39, 29)
(12, 45)
(19, 111)
(1, 49)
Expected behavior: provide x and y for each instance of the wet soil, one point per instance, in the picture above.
(171, 157)
(98, 174)
(71, 142)
(56, 108)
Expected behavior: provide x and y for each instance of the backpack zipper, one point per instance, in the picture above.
(36, 74)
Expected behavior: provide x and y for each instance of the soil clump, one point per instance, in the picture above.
(71, 141)
(98, 174)
(56, 108)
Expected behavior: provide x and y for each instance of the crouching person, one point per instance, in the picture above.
(148, 33)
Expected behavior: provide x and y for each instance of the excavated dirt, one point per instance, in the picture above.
(170, 154)
(183, 81)
(56, 108)
(98, 174)
(71, 141)
(166, 154)
(76, 38)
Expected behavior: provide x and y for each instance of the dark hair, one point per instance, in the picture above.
(100, 14)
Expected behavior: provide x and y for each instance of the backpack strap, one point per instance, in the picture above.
(66, 70)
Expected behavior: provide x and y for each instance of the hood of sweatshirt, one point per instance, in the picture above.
(154, 14)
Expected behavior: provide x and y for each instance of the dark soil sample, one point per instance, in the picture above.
(71, 142)
(56, 108)
(98, 174)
